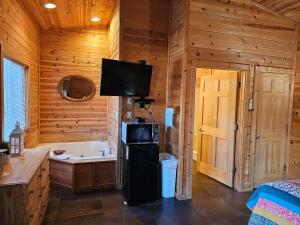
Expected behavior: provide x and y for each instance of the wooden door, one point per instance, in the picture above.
(273, 93)
(218, 121)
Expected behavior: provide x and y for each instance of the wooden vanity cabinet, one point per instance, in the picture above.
(24, 189)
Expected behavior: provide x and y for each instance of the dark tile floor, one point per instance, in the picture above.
(212, 204)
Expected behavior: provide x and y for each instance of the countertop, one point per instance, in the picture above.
(21, 168)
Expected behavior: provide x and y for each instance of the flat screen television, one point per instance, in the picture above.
(121, 78)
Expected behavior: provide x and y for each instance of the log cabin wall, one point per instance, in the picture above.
(176, 52)
(294, 165)
(19, 40)
(222, 33)
(63, 53)
(113, 104)
(144, 36)
(175, 97)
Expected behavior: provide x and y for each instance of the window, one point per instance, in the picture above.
(15, 96)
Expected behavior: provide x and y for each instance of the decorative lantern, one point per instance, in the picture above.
(16, 141)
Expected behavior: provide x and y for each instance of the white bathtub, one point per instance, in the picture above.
(76, 152)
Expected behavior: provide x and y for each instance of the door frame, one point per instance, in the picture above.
(242, 176)
(1, 93)
(254, 118)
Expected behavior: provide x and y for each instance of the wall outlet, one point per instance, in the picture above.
(130, 101)
(251, 105)
(129, 115)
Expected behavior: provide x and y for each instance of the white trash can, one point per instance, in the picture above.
(168, 176)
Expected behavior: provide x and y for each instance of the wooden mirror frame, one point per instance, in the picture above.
(72, 99)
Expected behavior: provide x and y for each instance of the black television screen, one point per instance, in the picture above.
(121, 78)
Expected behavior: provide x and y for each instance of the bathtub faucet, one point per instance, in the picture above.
(102, 152)
(102, 139)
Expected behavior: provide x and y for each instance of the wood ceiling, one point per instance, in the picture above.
(287, 8)
(69, 13)
(78, 13)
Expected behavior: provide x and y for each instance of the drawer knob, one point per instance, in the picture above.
(40, 175)
(31, 192)
(44, 169)
(31, 216)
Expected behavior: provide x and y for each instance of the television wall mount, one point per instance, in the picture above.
(143, 101)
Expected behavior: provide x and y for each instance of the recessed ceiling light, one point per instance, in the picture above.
(95, 19)
(50, 5)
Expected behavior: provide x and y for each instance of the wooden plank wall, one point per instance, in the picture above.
(176, 51)
(227, 33)
(175, 96)
(294, 156)
(63, 53)
(235, 32)
(113, 104)
(19, 40)
(144, 36)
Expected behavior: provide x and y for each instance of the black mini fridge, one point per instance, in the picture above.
(140, 176)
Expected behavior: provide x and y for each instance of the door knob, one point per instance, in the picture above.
(201, 130)
(258, 136)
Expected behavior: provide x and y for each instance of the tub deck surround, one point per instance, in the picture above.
(81, 152)
(24, 188)
(81, 177)
(79, 159)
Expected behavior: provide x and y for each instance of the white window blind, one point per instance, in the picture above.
(15, 96)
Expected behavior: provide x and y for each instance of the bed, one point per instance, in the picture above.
(276, 203)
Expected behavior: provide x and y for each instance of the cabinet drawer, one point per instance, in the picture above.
(45, 166)
(33, 216)
(37, 219)
(44, 175)
(44, 184)
(33, 194)
(33, 208)
(44, 201)
(40, 209)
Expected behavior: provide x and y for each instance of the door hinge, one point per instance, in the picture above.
(290, 86)
(234, 169)
(284, 168)
(236, 127)
(239, 84)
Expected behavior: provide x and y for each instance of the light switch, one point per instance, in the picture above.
(169, 117)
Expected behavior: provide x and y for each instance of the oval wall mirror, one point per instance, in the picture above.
(76, 88)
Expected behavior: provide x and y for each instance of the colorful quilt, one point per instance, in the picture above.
(276, 203)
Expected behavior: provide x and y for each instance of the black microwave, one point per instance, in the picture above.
(138, 133)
